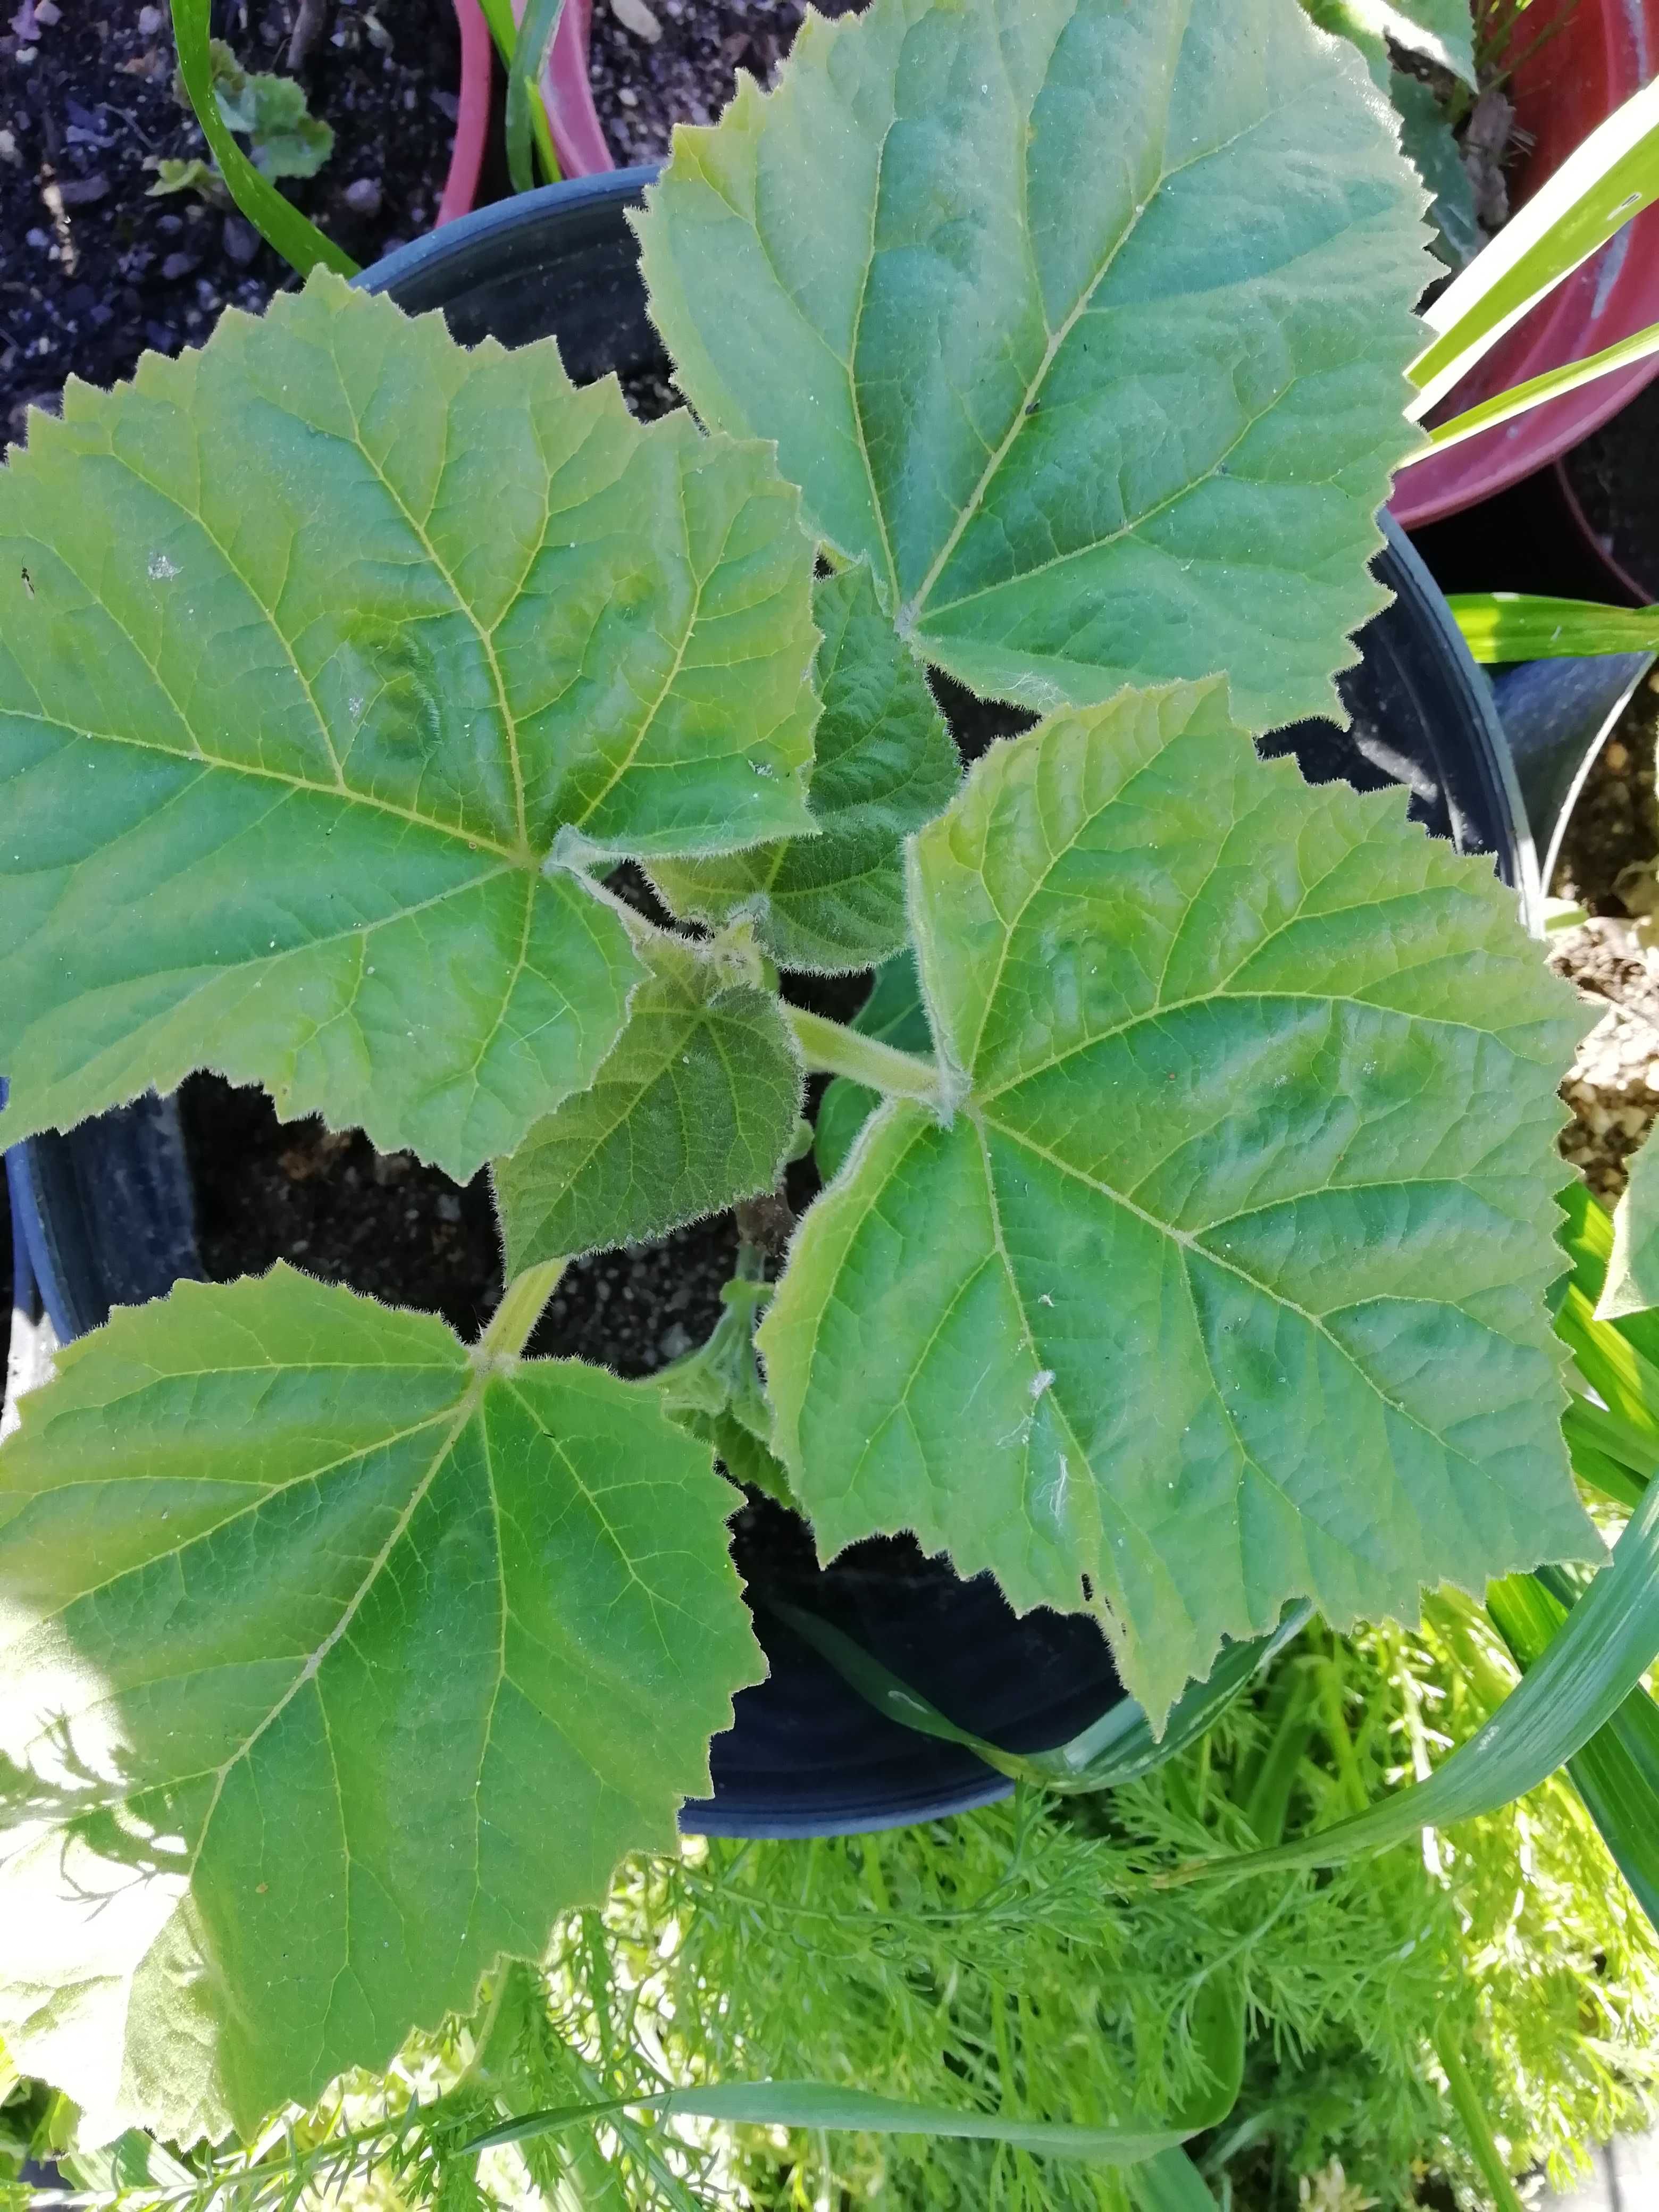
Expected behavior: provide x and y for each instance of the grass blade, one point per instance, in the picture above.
(294, 235)
(1169, 2183)
(1219, 2032)
(525, 114)
(1612, 177)
(1617, 1771)
(1466, 2102)
(1119, 1748)
(1519, 398)
(1504, 626)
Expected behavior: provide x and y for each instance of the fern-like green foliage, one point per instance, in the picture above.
(1194, 1256)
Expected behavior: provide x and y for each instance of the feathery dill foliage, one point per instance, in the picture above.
(1020, 1956)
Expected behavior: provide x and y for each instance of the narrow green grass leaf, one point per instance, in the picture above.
(1587, 1240)
(320, 649)
(334, 1663)
(278, 220)
(1600, 186)
(1591, 1665)
(1091, 420)
(884, 765)
(1616, 1772)
(1261, 1100)
(1169, 2183)
(696, 1107)
(531, 47)
(1218, 2034)
(1117, 1748)
(1504, 626)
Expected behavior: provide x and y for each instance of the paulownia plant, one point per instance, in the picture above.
(1192, 1259)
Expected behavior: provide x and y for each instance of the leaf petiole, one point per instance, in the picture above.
(828, 1049)
(521, 1309)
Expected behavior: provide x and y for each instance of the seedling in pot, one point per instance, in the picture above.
(1194, 1261)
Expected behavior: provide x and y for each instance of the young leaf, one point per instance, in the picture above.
(1428, 142)
(335, 1663)
(1084, 324)
(696, 1108)
(885, 765)
(716, 1393)
(318, 646)
(1223, 1287)
(894, 1013)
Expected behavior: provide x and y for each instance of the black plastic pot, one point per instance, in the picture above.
(107, 1207)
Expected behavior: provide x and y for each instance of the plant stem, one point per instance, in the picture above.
(519, 1310)
(830, 1049)
(1466, 2102)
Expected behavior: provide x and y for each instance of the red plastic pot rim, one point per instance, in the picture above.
(1583, 58)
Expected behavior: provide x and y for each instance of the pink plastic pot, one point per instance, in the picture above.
(1598, 53)
(460, 190)
(578, 135)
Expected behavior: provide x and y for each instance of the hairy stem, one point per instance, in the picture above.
(830, 1049)
(519, 1310)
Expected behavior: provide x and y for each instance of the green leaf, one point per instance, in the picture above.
(321, 649)
(1169, 2183)
(1604, 183)
(294, 237)
(1084, 324)
(1616, 1772)
(894, 1013)
(1587, 1240)
(1443, 30)
(1116, 1749)
(717, 1394)
(1354, 20)
(335, 1663)
(531, 48)
(1427, 140)
(1609, 1641)
(1632, 1283)
(885, 765)
(1224, 1286)
(1218, 2027)
(1504, 626)
(696, 1108)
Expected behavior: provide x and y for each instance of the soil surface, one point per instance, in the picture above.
(92, 271)
(642, 86)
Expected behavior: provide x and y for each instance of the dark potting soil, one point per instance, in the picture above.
(1615, 480)
(642, 86)
(92, 271)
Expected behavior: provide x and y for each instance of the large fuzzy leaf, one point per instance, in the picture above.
(1224, 1286)
(1085, 324)
(885, 765)
(696, 1108)
(333, 1662)
(314, 646)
